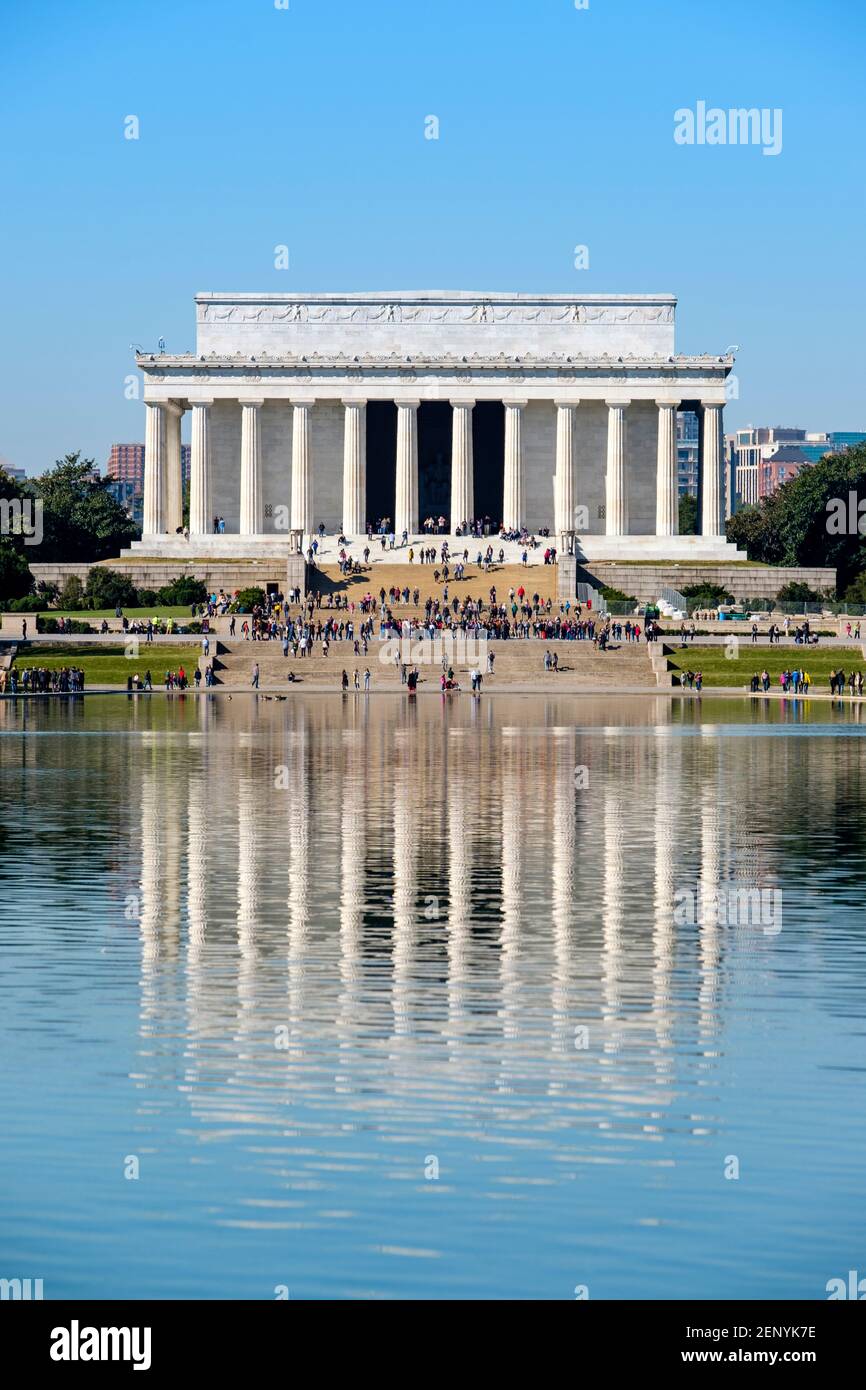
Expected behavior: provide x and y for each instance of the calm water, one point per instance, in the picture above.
(295, 959)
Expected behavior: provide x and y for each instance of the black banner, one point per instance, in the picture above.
(67, 1339)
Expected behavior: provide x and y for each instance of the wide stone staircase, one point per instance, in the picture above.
(517, 664)
(385, 574)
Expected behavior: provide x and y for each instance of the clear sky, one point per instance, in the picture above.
(305, 126)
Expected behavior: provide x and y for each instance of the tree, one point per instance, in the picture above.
(688, 515)
(856, 591)
(81, 520)
(15, 577)
(816, 519)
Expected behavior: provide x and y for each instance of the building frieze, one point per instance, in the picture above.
(482, 313)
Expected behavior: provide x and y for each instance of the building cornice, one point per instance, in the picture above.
(447, 363)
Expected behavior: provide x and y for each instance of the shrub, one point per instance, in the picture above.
(797, 592)
(706, 595)
(72, 594)
(148, 598)
(47, 591)
(613, 595)
(248, 599)
(105, 588)
(183, 591)
(50, 625)
(30, 603)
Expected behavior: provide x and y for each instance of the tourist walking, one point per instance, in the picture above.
(256, 676)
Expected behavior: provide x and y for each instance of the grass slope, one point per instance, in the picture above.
(721, 670)
(109, 665)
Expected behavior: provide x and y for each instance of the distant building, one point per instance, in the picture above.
(130, 499)
(126, 465)
(126, 469)
(688, 453)
(781, 467)
(12, 472)
(846, 439)
(762, 459)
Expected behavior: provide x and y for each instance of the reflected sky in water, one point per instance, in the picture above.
(297, 957)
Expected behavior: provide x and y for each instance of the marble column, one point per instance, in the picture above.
(173, 469)
(616, 508)
(200, 519)
(712, 495)
(462, 488)
(512, 500)
(302, 461)
(511, 836)
(406, 507)
(667, 492)
(197, 858)
(250, 862)
(355, 468)
(252, 504)
(154, 471)
(564, 502)
(613, 912)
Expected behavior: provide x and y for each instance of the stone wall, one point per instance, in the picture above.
(216, 574)
(646, 581)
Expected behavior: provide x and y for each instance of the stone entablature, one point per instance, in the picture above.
(450, 321)
(699, 378)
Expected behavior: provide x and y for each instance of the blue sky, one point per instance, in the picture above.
(261, 126)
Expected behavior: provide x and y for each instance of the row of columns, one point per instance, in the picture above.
(163, 503)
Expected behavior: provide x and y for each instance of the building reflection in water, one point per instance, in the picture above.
(405, 888)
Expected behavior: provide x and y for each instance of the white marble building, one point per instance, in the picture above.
(543, 411)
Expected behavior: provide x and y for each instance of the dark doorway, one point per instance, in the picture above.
(434, 461)
(488, 449)
(381, 460)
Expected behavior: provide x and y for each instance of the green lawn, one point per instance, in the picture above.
(108, 665)
(718, 669)
(683, 564)
(86, 615)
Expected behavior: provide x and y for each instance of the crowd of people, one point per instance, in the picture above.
(522, 617)
(838, 682)
(803, 635)
(40, 680)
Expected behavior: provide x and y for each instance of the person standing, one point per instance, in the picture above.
(367, 679)
(256, 676)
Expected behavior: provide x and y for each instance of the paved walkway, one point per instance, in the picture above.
(556, 687)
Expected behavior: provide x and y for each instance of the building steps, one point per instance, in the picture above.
(517, 662)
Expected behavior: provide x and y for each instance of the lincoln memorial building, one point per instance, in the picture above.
(552, 413)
